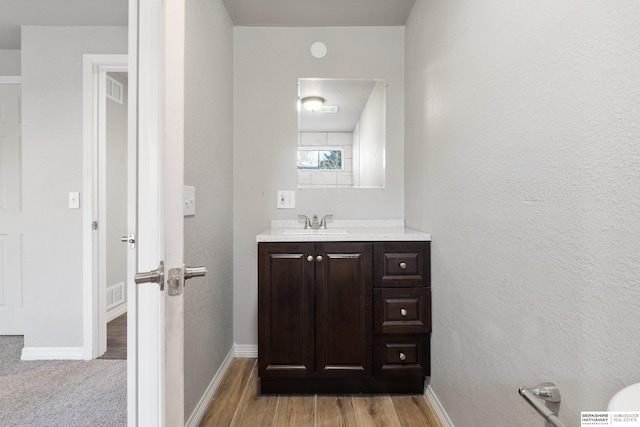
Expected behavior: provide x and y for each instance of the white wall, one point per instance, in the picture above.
(372, 149)
(52, 167)
(9, 62)
(268, 63)
(523, 161)
(116, 187)
(208, 167)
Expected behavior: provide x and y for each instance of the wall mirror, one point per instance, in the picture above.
(341, 133)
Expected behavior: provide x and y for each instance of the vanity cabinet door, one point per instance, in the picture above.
(286, 331)
(344, 310)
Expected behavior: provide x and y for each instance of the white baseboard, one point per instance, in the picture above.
(52, 353)
(246, 350)
(116, 311)
(437, 406)
(201, 407)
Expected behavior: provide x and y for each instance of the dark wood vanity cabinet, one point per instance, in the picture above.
(340, 317)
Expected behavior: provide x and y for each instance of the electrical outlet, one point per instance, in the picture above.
(286, 200)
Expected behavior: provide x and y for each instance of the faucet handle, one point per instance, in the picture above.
(323, 221)
(307, 221)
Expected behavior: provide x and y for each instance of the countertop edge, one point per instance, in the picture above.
(275, 235)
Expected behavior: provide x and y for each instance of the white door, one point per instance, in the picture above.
(156, 88)
(11, 312)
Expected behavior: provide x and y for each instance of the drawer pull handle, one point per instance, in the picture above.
(310, 258)
(319, 258)
(403, 312)
(403, 356)
(403, 265)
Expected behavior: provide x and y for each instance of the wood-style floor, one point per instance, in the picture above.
(238, 403)
(116, 339)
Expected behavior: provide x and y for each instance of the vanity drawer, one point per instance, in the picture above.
(397, 310)
(401, 264)
(401, 355)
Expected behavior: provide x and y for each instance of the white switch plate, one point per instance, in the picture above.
(74, 200)
(286, 200)
(189, 200)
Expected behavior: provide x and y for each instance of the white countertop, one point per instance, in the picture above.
(342, 231)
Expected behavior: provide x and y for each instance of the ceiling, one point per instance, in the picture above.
(318, 13)
(350, 96)
(14, 13)
(279, 13)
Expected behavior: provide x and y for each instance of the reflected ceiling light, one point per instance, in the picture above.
(312, 103)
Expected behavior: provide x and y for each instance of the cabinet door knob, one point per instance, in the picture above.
(403, 356)
(403, 312)
(319, 258)
(403, 265)
(310, 258)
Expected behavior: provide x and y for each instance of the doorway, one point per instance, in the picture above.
(112, 212)
(106, 187)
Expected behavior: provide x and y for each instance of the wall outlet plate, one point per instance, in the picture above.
(286, 199)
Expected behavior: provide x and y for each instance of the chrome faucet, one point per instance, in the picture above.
(323, 221)
(307, 221)
(314, 224)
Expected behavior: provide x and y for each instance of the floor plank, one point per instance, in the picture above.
(227, 397)
(415, 411)
(254, 409)
(116, 339)
(334, 411)
(238, 403)
(375, 411)
(295, 411)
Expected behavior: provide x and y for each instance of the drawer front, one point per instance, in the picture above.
(401, 355)
(402, 310)
(401, 264)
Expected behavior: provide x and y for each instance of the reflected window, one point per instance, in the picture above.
(310, 159)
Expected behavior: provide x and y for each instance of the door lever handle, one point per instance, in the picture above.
(153, 276)
(190, 272)
(177, 277)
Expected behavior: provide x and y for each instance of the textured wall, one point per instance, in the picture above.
(524, 161)
(267, 65)
(52, 167)
(208, 166)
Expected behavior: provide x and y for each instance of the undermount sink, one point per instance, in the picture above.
(315, 232)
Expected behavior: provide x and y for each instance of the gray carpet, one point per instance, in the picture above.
(60, 393)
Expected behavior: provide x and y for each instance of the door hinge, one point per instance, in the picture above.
(94, 225)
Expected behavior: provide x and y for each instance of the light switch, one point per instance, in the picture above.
(189, 200)
(74, 200)
(286, 200)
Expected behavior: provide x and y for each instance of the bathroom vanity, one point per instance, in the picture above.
(343, 311)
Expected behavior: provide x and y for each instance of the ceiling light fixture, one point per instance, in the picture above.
(312, 103)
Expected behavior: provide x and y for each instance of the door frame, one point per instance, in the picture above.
(11, 80)
(95, 68)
